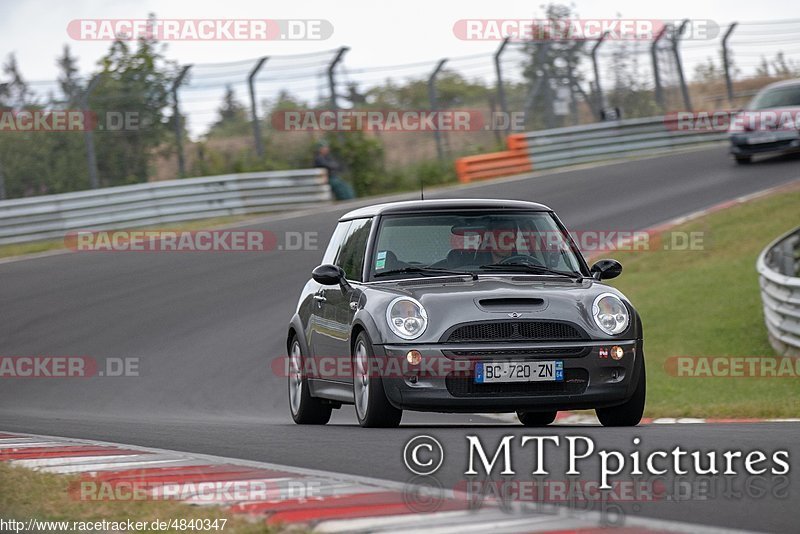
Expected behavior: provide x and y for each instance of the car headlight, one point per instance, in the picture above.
(610, 314)
(406, 317)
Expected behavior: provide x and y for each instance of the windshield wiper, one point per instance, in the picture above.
(425, 271)
(526, 267)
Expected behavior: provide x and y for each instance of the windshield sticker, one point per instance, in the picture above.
(380, 262)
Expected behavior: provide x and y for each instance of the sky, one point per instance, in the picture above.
(378, 33)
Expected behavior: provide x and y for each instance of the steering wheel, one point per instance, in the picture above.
(523, 259)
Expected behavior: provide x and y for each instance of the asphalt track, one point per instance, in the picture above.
(206, 325)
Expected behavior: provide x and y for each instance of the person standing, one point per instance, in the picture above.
(324, 159)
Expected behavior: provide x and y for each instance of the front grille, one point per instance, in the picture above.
(515, 331)
(575, 382)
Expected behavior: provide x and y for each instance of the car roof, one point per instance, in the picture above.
(421, 206)
(782, 83)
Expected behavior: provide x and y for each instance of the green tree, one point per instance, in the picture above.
(15, 94)
(68, 82)
(36, 162)
(551, 62)
(233, 118)
(361, 155)
(134, 85)
(453, 90)
(629, 93)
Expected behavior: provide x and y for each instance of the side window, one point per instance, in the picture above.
(354, 246)
(336, 242)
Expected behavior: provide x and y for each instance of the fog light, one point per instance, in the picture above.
(414, 357)
(617, 352)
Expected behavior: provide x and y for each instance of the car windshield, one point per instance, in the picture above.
(434, 244)
(779, 97)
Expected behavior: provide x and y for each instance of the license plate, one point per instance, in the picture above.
(540, 371)
(756, 139)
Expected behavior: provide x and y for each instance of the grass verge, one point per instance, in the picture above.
(26, 494)
(707, 303)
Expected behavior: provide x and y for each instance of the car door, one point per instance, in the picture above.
(318, 329)
(340, 302)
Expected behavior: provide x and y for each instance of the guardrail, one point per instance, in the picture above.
(589, 143)
(52, 216)
(778, 267)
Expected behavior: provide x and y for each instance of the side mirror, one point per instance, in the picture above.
(606, 269)
(328, 275)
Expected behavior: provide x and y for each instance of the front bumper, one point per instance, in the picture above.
(444, 382)
(752, 143)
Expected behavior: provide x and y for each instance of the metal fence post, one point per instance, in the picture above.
(549, 119)
(573, 101)
(659, 91)
(176, 116)
(88, 134)
(3, 87)
(2, 183)
(676, 37)
(251, 79)
(331, 75)
(726, 61)
(434, 105)
(538, 63)
(498, 137)
(501, 91)
(600, 104)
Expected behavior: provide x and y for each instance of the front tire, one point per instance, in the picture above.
(534, 419)
(305, 409)
(373, 409)
(629, 413)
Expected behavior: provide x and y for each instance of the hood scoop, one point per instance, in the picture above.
(513, 304)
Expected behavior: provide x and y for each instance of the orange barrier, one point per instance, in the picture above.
(495, 164)
(516, 141)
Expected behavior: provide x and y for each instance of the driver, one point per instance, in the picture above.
(499, 241)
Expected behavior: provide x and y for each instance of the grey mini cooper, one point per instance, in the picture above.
(462, 306)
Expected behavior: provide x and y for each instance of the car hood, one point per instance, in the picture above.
(450, 301)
